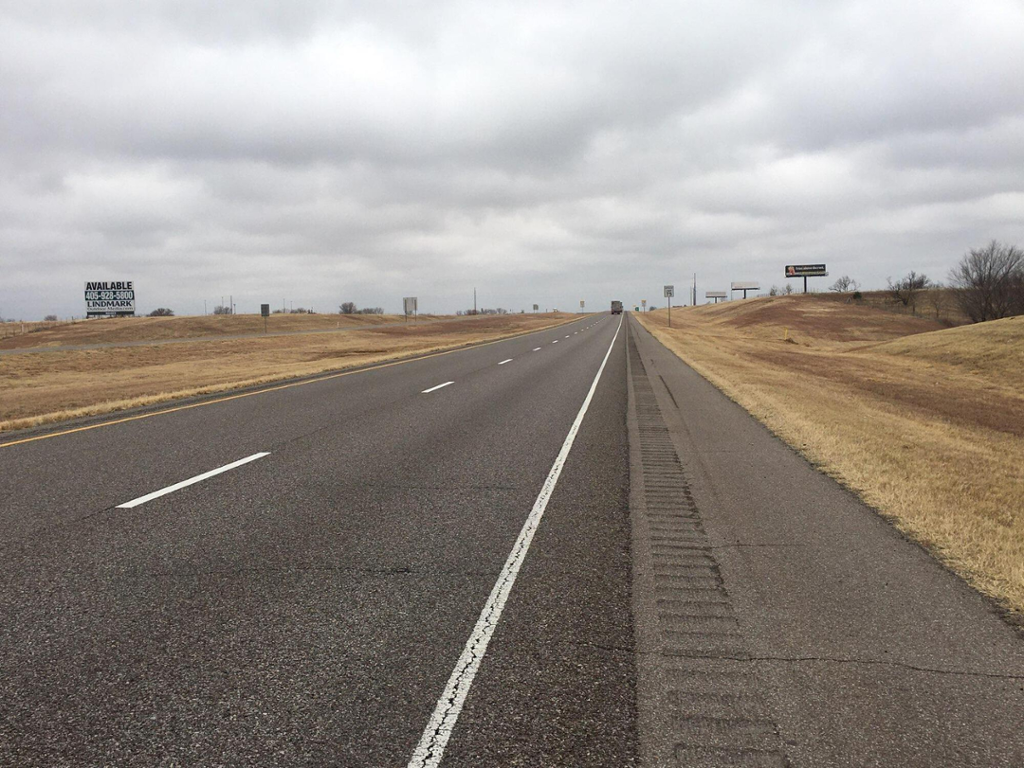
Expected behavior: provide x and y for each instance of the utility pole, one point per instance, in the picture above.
(204, 307)
(474, 301)
(231, 300)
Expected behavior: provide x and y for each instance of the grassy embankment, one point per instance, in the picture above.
(64, 384)
(925, 423)
(120, 330)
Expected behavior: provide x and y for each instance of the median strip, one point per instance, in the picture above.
(191, 481)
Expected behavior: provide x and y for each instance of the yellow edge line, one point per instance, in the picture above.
(274, 388)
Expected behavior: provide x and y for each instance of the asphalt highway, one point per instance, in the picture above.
(562, 549)
(309, 606)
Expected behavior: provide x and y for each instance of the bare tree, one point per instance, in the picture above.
(221, 310)
(844, 284)
(1017, 292)
(164, 312)
(370, 311)
(905, 289)
(989, 282)
(348, 308)
(50, 318)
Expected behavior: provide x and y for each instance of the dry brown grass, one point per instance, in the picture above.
(56, 386)
(118, 330)
(927, 425)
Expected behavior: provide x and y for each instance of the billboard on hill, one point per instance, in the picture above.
(806, 270)
(110, 298)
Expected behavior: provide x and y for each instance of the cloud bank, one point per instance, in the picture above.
(544, 153)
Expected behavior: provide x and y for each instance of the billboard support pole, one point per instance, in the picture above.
(805, 283)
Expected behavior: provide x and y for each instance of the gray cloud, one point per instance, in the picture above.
(541, 152)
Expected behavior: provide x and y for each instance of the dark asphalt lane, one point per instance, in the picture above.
(307, 608)
(51, 481)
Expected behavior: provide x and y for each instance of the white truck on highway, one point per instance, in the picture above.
(616, 307)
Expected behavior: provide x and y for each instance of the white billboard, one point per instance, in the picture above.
(746, 286)
(107, 298)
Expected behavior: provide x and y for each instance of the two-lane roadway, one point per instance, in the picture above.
(293, 577)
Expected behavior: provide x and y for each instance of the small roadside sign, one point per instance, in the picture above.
(536, 307)
(265, 310)
(670, 291)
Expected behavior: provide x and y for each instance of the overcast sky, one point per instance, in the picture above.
(320, 152)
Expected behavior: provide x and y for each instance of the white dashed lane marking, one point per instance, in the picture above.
(505, 361)
(191, 481)
(434, 389)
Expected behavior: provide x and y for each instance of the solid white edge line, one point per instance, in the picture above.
(505, 361)
(192, 480)
(430, 750)
(434, 389)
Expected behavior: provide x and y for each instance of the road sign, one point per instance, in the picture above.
(536, 307)
(265, 310)
(670, 291)
(109, 299)
(643, 302)
(409, 302)
(806, 270)
(581, 303)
